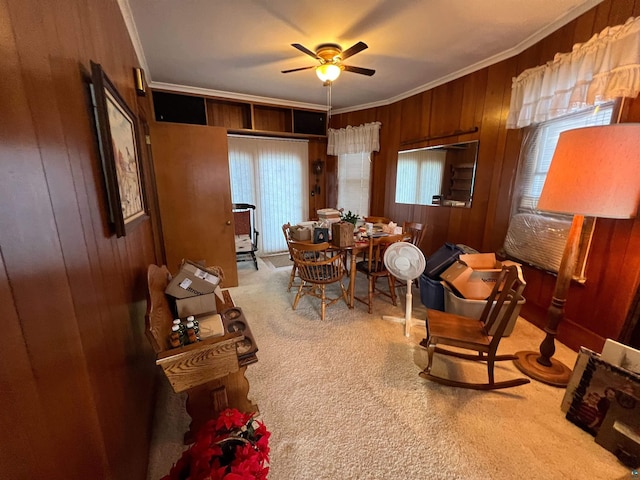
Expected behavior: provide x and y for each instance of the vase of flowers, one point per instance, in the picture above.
(233, 446)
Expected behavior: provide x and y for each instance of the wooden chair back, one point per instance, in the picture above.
(375, 253)
(318, 265)
(286, 231)
(415, 231)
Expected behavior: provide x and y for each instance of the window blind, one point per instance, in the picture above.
(272, 174)
(353, 182)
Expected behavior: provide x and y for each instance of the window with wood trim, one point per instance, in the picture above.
(533, 237)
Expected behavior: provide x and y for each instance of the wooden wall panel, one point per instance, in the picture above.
(596, 310)
(77, 373)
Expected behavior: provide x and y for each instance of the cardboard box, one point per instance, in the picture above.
(300, 233)
(474, 275)
(196, 305)
(192, 279)
(462, 279)
(473, 309)
(342, 234)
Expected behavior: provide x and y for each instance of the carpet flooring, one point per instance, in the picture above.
(343, 400)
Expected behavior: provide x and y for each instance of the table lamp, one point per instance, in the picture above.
(595, 172)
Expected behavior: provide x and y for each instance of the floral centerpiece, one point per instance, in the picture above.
(234, 446)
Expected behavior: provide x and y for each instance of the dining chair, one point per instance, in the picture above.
(464, 333)
(318, 265)
(373, 268)
(287, 236)
(415, 231)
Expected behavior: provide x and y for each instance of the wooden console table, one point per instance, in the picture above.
(209, 370)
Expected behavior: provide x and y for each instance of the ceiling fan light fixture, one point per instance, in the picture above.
(328, 72)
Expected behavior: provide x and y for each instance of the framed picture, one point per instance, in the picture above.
(118, 143)
(599, 385)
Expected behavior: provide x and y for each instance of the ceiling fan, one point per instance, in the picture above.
(331, 56)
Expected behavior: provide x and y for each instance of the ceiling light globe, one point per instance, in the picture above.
(328, 72)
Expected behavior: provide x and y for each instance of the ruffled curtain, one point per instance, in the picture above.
(599, 70)
(362, 139)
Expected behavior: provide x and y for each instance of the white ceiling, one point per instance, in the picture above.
(237, 48)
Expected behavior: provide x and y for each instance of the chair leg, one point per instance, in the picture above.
(430, 350)
(323, 299)
(295, 302)
(292, 277)
(372, 286)
(392, 290)
(344, 294)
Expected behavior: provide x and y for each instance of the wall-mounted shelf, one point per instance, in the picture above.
(238, 116)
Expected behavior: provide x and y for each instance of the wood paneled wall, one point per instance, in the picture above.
(77, 374)
(594, 311)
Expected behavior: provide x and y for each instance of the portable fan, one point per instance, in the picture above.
(405, 261)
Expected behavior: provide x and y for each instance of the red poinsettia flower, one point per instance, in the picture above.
(231, 418)
(233, 446)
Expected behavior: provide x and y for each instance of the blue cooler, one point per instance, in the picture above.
(431, 293)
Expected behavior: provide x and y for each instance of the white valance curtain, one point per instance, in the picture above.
(362, 139)
(604, 68)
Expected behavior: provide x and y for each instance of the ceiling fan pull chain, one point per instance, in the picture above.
(329, 101)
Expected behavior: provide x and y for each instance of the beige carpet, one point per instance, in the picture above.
(343, 400)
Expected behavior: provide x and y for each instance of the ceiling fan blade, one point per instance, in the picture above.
(297, 69)
(304, 49)
(360, 70)
(358, 47)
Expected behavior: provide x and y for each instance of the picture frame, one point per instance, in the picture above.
(598, 384)
(117, 133)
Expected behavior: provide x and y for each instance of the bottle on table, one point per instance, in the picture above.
(174, 337)
(196, 325)
(182, 330)
(191, 333)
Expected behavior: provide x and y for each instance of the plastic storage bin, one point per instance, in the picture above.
(473, 308)
(439, 261)
(431, 293)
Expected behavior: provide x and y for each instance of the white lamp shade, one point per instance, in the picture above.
(328, 72)
(595, 172)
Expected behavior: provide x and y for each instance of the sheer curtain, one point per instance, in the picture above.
(353, 147)
(605, 67)
(362, 139)
(271, 174)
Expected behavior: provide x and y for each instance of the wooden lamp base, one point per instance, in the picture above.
(558, 374)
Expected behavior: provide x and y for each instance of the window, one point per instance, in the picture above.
(271, 174)
(419, 176)
(353, 182)
(537, 238)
